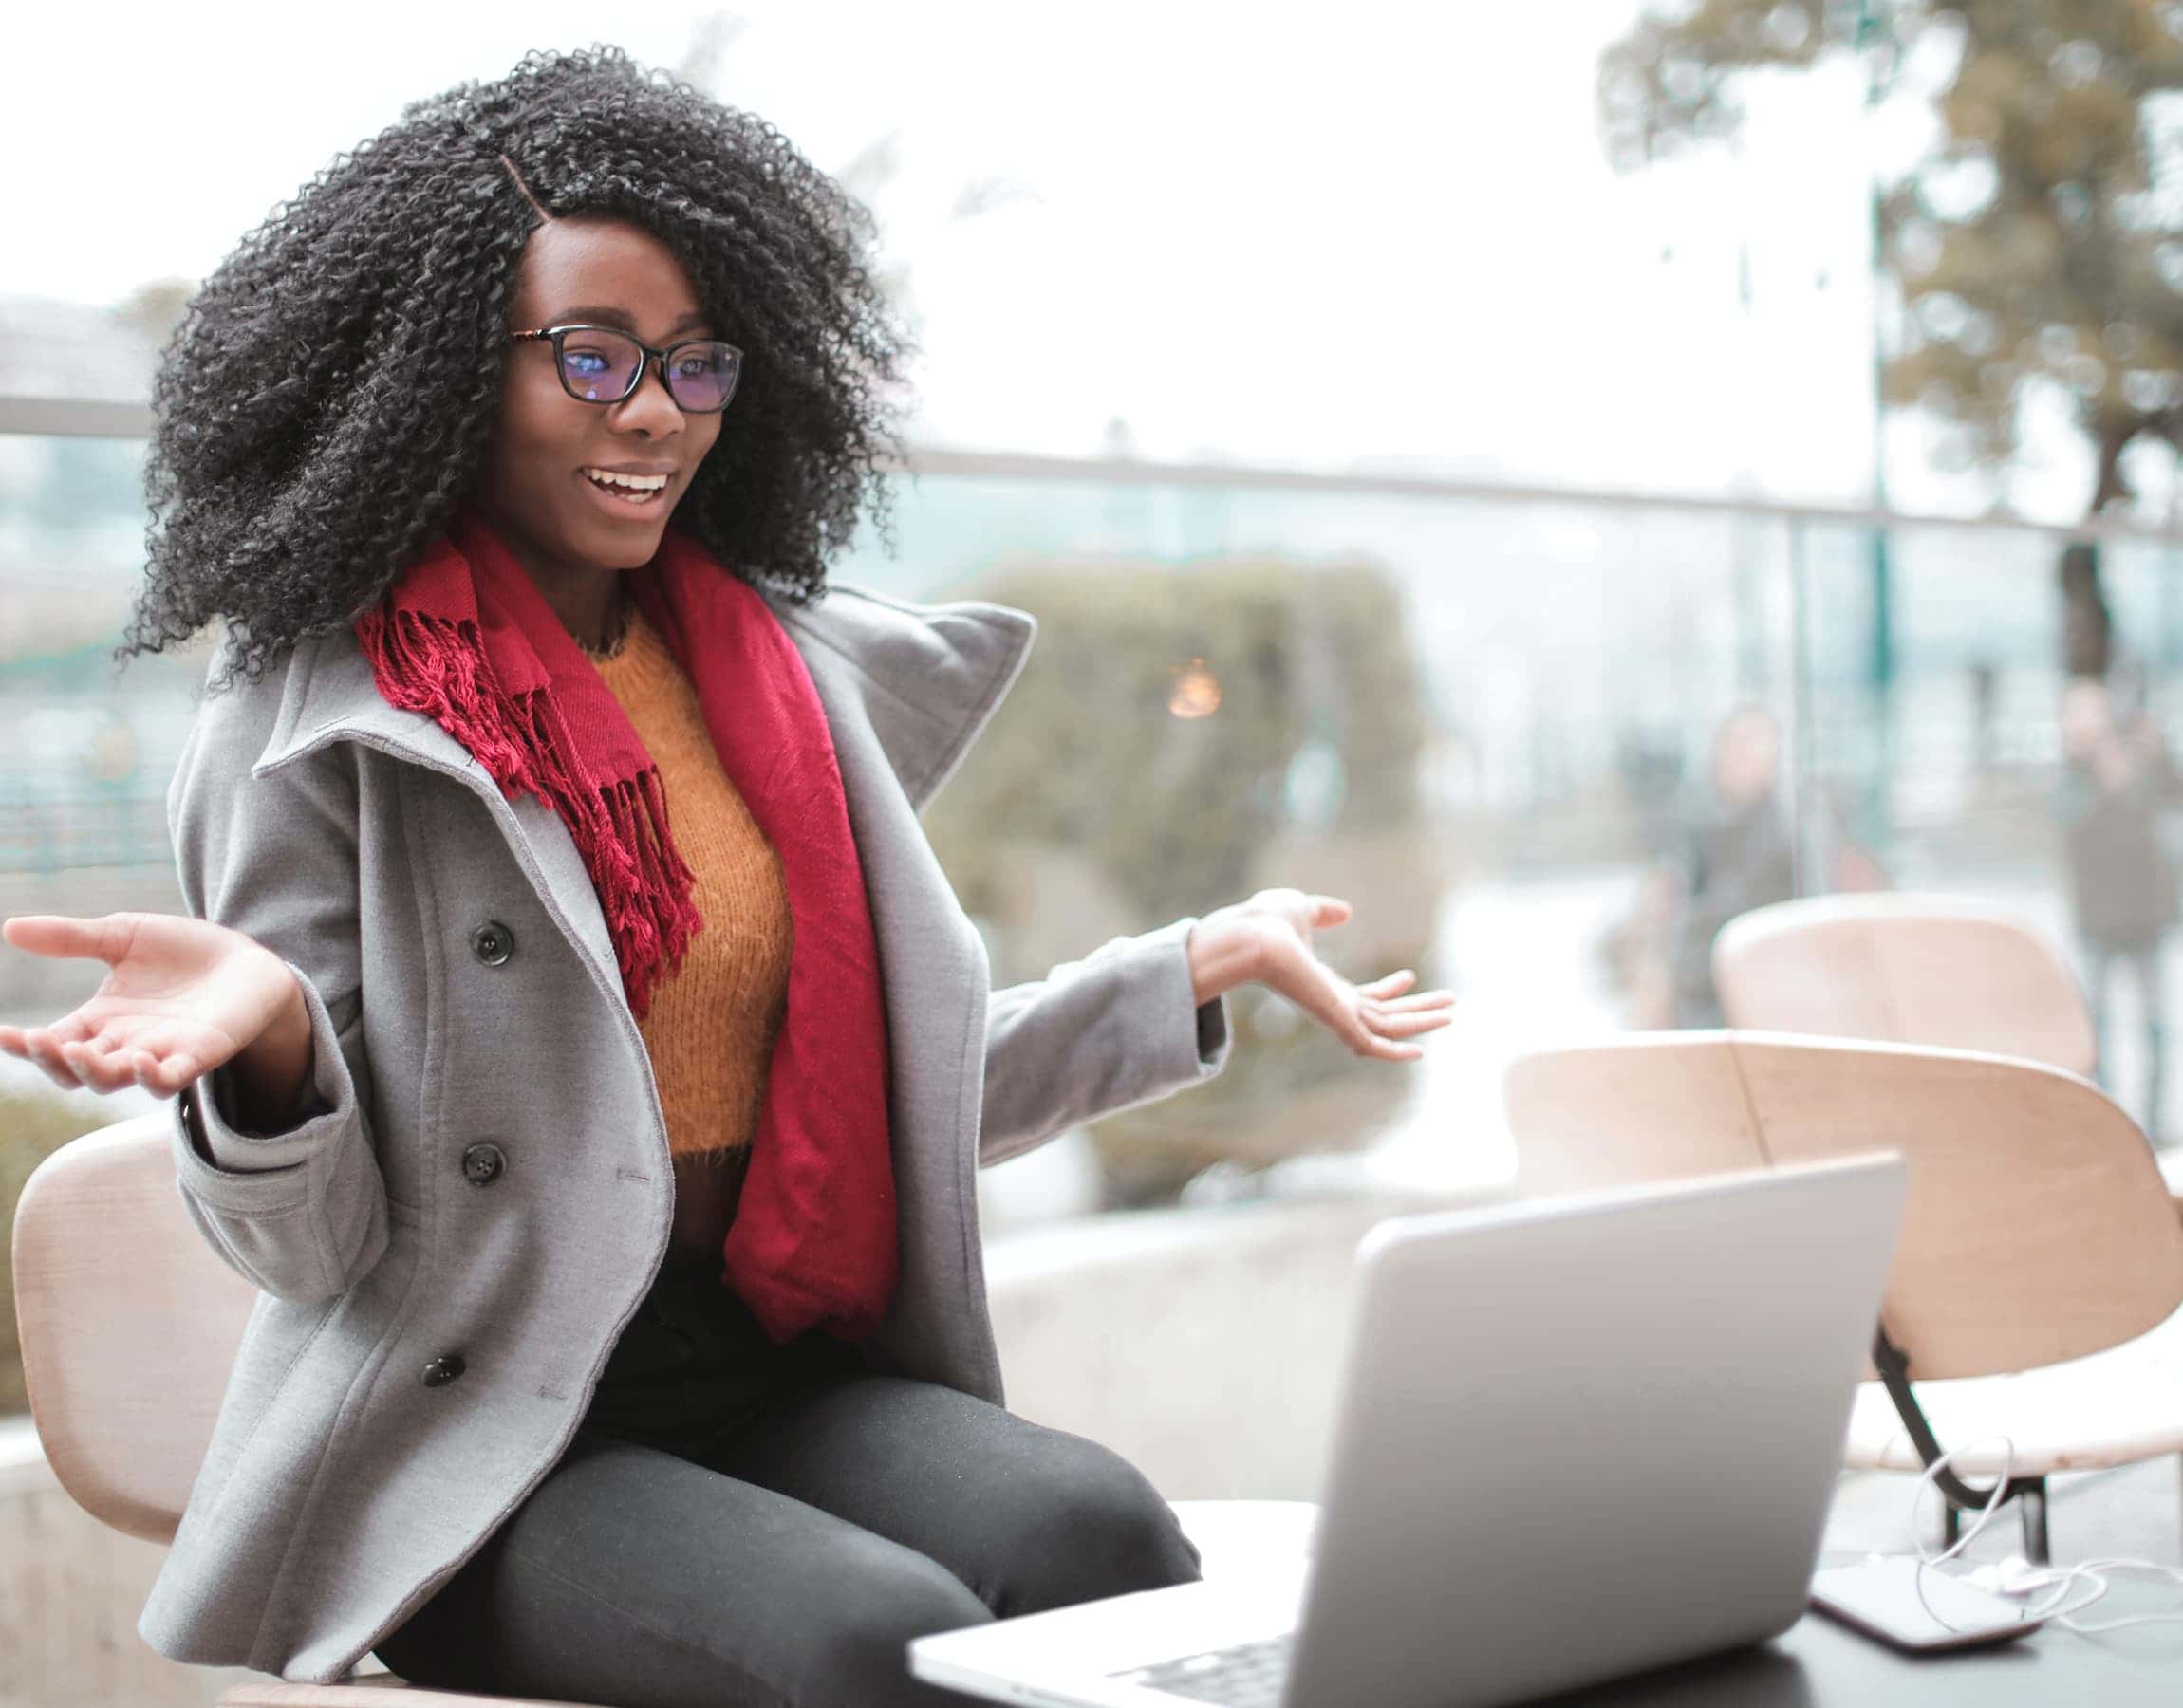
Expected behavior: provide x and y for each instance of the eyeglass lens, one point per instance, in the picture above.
(603, 367)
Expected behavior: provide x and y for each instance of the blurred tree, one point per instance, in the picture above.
(1180, 737)
(2038, 242)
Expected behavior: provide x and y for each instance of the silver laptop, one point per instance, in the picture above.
(1577, 1437)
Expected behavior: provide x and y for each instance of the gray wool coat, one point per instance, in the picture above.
(428, 1331)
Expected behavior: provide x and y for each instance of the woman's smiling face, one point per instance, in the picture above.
(564, 527)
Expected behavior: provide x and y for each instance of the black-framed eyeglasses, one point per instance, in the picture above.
(603, 364)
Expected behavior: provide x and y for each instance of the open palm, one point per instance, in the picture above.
(181, 998)
(1375, 1019)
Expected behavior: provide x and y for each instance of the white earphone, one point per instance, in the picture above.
(2017, 1576)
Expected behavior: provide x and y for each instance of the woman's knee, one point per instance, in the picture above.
(1091, 1525)
(865, 1656)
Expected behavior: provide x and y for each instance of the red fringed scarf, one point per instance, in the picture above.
(465, 637)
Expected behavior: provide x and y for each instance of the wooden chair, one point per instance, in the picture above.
(2035, 1289)
(126, 1364)
(1905, 968)
(1910, 969)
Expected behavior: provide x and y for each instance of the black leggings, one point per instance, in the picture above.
(740, 1524)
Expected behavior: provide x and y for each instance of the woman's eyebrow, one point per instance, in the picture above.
(616, 317)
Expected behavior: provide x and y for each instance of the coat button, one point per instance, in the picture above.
(444, 1369)
(482, 1163)
(492, 943)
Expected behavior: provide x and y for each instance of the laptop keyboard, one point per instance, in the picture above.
(1249, 1675)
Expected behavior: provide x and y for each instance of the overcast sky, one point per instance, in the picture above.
(1297, 236)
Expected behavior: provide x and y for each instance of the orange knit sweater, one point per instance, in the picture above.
(710, 1031)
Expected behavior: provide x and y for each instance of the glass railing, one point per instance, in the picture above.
(1543, 741)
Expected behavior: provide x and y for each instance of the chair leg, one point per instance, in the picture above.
(2032, 1509)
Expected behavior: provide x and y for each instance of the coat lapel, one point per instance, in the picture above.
(330, 695)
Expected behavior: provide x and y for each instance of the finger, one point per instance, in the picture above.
(1388, 1051)
(70, 1029)
(163, 1076)
(1406, 1025)
(47, 1053)
(167, 1041)
(1329, 910)
(1394, 984)
(1422, 1002)
(95, 1067)
(163, 1058)
(58, 934)
(1379, 1019)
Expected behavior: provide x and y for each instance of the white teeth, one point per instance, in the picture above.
(636, 483)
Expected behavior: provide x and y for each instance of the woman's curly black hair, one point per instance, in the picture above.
(332, 391)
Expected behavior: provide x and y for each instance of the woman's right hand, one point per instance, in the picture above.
(181, 997)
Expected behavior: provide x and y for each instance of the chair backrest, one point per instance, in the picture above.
(2037, 1227)
(129, 1325)
(1904, 968)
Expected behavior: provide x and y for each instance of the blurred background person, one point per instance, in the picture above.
(2116, 780)
(1737, 855)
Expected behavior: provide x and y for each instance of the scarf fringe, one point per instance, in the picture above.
(435, 666)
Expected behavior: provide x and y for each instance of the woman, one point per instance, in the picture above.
(606, 1177)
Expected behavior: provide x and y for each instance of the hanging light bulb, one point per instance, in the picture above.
(1196, 692)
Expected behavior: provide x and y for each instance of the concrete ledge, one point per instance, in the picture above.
(1203, 1346)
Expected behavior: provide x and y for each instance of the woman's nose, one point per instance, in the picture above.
(651, 403)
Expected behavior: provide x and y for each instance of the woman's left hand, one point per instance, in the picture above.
(1268, 941)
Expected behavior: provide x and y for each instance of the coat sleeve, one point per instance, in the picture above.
(299, 1211)
(1112, 1031)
